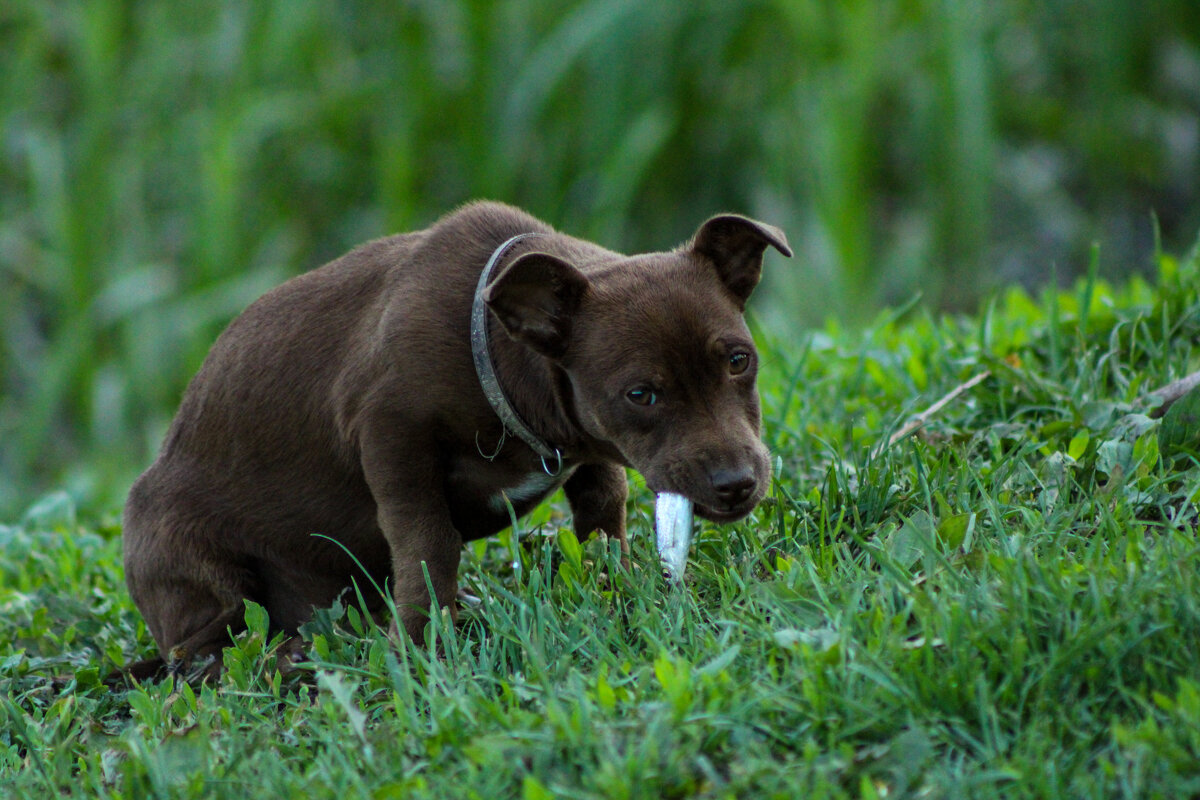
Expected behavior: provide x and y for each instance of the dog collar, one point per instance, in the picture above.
(486, 370)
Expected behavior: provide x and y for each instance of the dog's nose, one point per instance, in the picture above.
(733, 485)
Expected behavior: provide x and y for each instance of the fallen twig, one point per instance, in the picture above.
(1169, 394)
(1164, 396)
(917, 422)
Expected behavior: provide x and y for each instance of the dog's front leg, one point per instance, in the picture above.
(423, 546)
(415, 520)
(597, 494)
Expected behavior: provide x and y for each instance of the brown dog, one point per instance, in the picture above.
(345, 402)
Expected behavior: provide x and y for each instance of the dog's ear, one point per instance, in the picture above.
(535, 299)
(735, 245)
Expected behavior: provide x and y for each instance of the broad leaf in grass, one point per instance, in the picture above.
(907, 544)
(1179, 435)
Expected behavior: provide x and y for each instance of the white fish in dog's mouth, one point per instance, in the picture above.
(673, 516)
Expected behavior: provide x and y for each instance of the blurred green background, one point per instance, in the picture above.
(163, 163)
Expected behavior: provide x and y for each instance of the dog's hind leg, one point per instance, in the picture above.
(199, 655)
(192, 603)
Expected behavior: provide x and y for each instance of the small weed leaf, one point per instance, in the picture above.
(532, 789)
(675, 677)
(721, 662)
(256, 618)
(953, 531)
(907, 544)
(1078, 444)
(1132, 427)
(324, 621)
(1113, 458)
(571, 550)
(10, 663)
(342, 693)
(355, 618)
(1179, 435)
(822, 645)
(145, 707)
(87, 678)
(604, 694)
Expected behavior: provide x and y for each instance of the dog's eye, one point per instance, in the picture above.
(739, 363)
(642, 396)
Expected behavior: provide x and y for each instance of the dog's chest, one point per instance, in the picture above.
(531, 489)
(480, 492)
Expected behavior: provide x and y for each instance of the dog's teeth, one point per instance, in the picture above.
(673, 531)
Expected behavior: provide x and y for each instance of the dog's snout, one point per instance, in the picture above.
(733, 485)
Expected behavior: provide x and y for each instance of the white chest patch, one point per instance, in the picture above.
(532, 486)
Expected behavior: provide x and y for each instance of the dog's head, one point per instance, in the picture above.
(659, 362)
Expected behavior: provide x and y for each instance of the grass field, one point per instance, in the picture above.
(1006, 604)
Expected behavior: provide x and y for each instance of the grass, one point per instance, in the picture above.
(160, 168)
(1006, 605)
